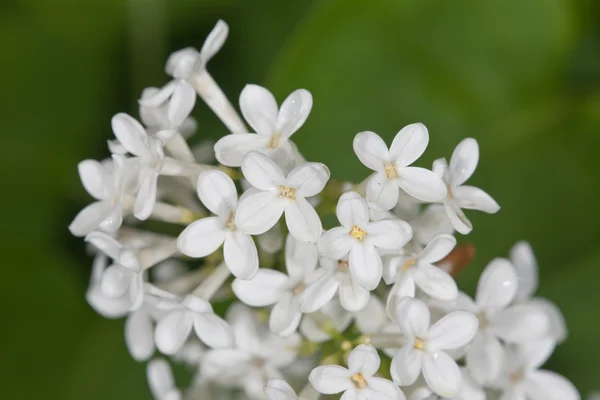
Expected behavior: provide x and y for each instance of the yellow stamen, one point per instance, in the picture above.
(357, 232)
(390, 171)
(274, 141)
(359, 380)
(406, 266)
(288, 192)
(419, 344)
(230, 224)
(346, 345)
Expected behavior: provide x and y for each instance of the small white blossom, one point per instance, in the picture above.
(392, 167)
(361, 239)
(426, 347)
(161, 381)
(462, 165)
(277, 194)
(469, 390)
(358, 381)
(217, 192)
(273, 126)
(284, 291)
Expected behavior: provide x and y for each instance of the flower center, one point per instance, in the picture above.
(274, 141)
(298, 289)
(343, 265)
(390, 170)
(287, 192)
(357, 233)
(230, 224)
(515, 376)
(408, 264)
(419, 344)
(449, 189)
(484, 322)
(359, 380)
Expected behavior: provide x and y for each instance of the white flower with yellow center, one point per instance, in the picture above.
(277, 194)
(273, 126)
(462, 165)
(426, 346)
(358, 381)
(362, 239)
(217, 192)
(392, 167)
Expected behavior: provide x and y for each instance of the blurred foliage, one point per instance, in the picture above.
(521, 77)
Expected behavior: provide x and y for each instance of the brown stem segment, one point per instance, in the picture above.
(458, 259)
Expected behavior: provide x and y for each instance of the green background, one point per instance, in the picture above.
(522, 77)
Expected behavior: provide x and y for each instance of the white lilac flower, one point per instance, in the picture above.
(278, 389)
(217, 192)
(108, 183)
(419, 270)
(282, 290)
(469, 390)
(498, 320)
(273, 127)
(392, 167)
(358, 381)
(459, 196)
(193, 313)
(334, 277)
(522, 378)
(107, 306)
(139, 333)
(258, 355)
(427, 346)
(161, 381)
(526, 266)
(276, 194)
(362, 239)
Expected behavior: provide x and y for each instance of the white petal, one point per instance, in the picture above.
(547, 385)
(464, 161)
(309, 179)
(330, 379)
(452, 331)
(413, 317)
(90, 218)
(364, 359)
(422, 184)
(457, 218)
(213, 330)
(105, 243)
(231, 149)
(371, 150)
(94, 178)
(258, 212)
(353, 297)
(485, 357)
(285, 315)
(557, 326)
(181, 63)
(278, 389)
(262, 172)
(146, 196)
(245, 326)
(524, 261)
(201, 237)
(435, 282)
(217, 191)
(130, 133)
(303, 221)
(272, 240)
(404, 287)
(406, 365)
(518, 324)
(371, 318)
(293, 112)
(264, 289)
(409, 144)
(497, 285)
(365, 265)
(319, 293)
(181, 104)
(472, 198)
(172, 331)
(352, 209)
(536, 352)
(442, 374)
(335, 243)
(382, 389)
(388, 234)
(382, 191)
(214, 41)
(160, 378)
(259, 108)
(229, 363)
(139, 335)
(422, 393)
(240, 255)
(439, 247)
(300, 258)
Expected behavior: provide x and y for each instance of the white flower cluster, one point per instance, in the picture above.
(306, 306)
